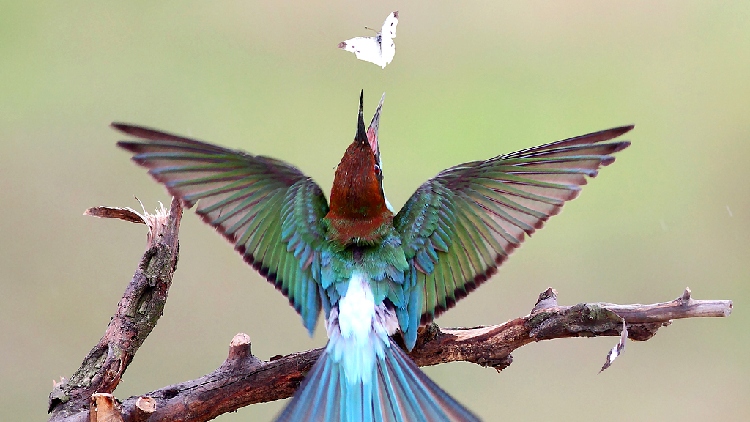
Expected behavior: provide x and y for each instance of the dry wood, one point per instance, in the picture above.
(136, 315)
(244, 379)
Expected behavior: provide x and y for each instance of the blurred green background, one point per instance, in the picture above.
(470, 80)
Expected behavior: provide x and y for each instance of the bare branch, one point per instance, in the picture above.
(137, 313)
(244, 379)
(682, 307)
(492, 345)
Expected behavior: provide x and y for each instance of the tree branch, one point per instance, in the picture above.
(136, 315)
(244, 379)
(492, 345)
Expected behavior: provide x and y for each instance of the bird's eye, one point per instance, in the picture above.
(378, 172)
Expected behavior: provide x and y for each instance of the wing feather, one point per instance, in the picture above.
(267, 209)
(459, 226)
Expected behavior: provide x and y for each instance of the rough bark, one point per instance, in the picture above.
(244, 379)
(136, 315)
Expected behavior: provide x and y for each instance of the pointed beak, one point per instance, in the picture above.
(372, 131)
(361, 135)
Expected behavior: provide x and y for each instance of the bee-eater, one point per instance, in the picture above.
(373, 272)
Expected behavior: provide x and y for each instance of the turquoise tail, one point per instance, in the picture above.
(391, 389)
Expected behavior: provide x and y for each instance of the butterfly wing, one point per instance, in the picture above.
(387, 51)
(268, 209)
(365, 48)
(387, 34)
(379, 49)
(459, 226)
(389, 26)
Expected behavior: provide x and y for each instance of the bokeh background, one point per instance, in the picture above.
(470, 80)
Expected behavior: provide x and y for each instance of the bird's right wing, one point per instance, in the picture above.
(459, 226)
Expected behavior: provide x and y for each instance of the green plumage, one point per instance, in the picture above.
(460, 225)
(449, 237)
(269, 210)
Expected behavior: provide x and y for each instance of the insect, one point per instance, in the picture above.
(379, 49)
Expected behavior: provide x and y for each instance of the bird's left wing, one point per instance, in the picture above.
(269, 210)
(459, 226)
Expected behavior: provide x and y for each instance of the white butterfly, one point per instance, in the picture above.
(379, 49)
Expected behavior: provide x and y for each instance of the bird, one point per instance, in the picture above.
(371, 271)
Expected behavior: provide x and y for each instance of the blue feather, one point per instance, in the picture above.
(397, 391)
(414, 309)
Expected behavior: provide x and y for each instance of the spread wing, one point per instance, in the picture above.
(365, 48)
(459, 226)
(267, 209)
(379, 49)
(389, 26)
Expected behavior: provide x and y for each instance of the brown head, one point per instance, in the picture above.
(358, 211)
